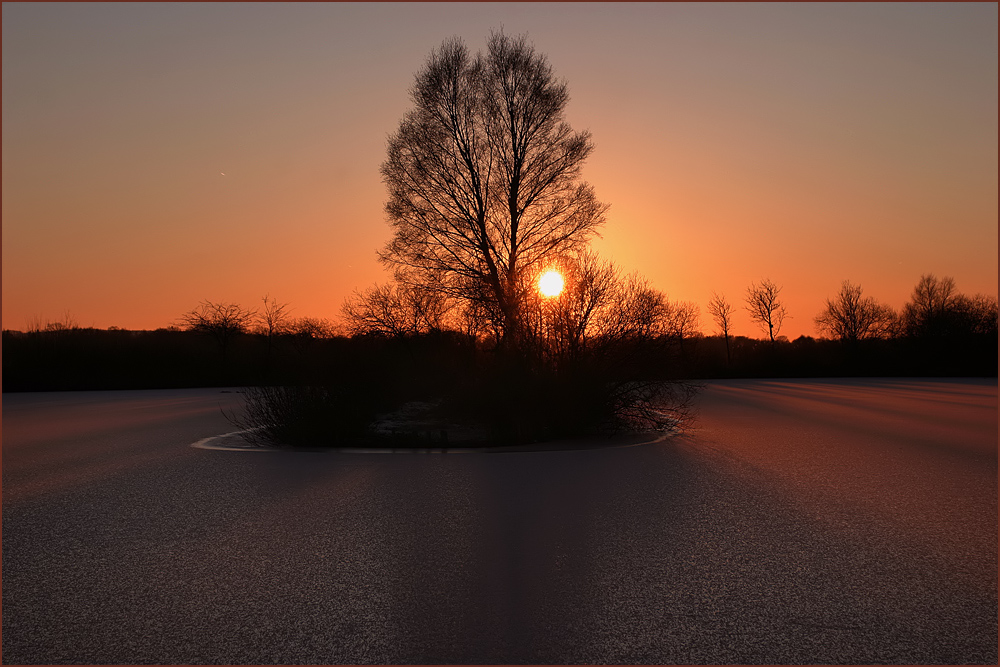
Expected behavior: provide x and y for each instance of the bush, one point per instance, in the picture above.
(306, 417)
(521, 402)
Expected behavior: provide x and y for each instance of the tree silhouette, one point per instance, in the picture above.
(981, 313)
(483, 177)
(272, 321)
(937, 310)
(312, 328)
(599, 309)
(851, 318)
(683, 320)
(395, 309)
(722, 312)
(565, 326)
(222, 321)
(764, 307)
(930, 303)
(305, 331)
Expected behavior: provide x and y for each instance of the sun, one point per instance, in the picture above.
(551, 283)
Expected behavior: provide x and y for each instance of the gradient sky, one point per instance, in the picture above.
(807, 143)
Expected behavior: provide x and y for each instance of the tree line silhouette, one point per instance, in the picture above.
(938, 332)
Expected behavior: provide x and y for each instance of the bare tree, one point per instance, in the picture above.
(849, 317)
(571, 321)
(395, 309)
(722, 312)
(484, 176)
(936, 309)
(599, 309)
(635, 310)
(927, 312)
(933, 295)
(609, 333)
(981, 314)
(34, 324)
(312, 328)
(764, 307)
(272, 321)
(479, 319)
(304, 331)
(67, 323)
(222, 321)
(682, 320)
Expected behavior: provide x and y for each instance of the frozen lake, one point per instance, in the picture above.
(843, 521)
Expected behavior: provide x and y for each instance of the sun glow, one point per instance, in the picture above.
(550, 284)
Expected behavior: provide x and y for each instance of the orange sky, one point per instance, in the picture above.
(155, 155)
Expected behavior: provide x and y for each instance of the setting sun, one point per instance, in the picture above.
(550, 284)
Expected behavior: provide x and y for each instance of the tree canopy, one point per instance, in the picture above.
(851, 317)
(484, 179)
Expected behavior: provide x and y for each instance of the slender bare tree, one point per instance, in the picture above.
(764, 307)
(722, 312)
(849, 317)
(483, 176)
(272, 321)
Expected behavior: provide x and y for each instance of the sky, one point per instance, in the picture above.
(157, 155)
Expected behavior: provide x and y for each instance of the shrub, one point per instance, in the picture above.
(526, 402)
(305, 417)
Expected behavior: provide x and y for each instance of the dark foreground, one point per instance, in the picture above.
(801, 522)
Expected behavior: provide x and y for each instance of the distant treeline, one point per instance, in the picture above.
(413, 339)
(85, 358)
(91, 359)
